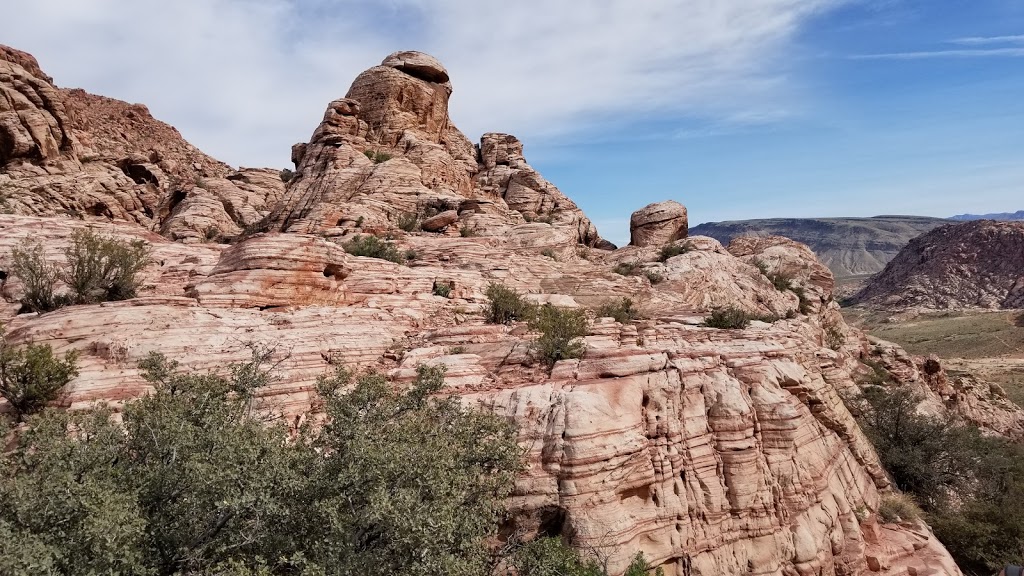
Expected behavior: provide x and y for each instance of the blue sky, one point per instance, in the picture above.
(738, 109)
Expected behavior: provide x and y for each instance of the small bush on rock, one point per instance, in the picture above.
(38, 277)
(377, 157)
(442, 289)
(561, 330)
(103, 268)
(729, 318)
(31, 376)
(506, 306)
(286, 175)
(654, 277)
(373, 247)
(627, 268)
(622, 310)
(670, 250)
(408, 221)
(898, 508)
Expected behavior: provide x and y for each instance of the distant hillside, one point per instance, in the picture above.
(848, 246)
(964, 265)
(1005, 216)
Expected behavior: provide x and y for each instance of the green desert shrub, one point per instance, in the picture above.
(408, 221)
(729, 317)
(549, 253)
(31, 376)
(373, 247)
(551, 556)
(561, 332)
(442, 289)
(898, 508)
(195, 480)
(505, 305)
(670, 250)
(38, 277)
(103, 268)
(468, 232)
(621, 309)
(627, 268)
(286, 175)
(654, 277)
(377, 156)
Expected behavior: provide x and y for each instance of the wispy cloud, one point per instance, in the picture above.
(980, 53)
(976, 40)
(244, 79)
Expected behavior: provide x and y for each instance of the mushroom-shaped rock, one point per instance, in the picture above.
(418, 65)
(440, 221)
(657, 224)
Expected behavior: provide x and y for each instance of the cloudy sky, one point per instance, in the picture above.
(736, 108)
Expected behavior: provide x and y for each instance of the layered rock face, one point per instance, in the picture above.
(711, 451)
(977, 264)
(388, 151)
(657, 224)
(67, 153)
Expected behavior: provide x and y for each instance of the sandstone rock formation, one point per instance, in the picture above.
(711, 451)
(657, 224)
(978, 264)
(848, 246)
(388, 151)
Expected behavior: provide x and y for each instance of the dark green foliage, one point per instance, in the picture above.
(467, 232)
(877, 374)
(38, 277)
(898, 508)
(408, 221)
(410, 255)
(621, 309)
(552, 557)
(627, 268)
(549, 253)
(373, 247)
(506, 306)
(103, 268)
(969, 485)
(377, 157)
(783, 282)
(728, 318)
(286, 175)
(561, 331)
(670, 250)
(442, 289)
(653, 277)
(31, 376)
(197, 481)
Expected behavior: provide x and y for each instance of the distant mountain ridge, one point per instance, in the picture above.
(1003, 216)
(848, 246)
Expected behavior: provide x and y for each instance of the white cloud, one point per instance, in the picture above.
(979, 53)
(244, 79)
(975, 40)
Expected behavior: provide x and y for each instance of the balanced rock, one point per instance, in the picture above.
(440, 221)
(658, 224)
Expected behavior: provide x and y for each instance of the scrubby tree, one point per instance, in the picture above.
(561, 333)
(505, 305)
(103, 268)
(31, 376)
(38, 277)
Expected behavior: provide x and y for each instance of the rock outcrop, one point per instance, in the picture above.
(657, 224)
(711, 451)
(848, 246)
(977, 264)
(389, 151)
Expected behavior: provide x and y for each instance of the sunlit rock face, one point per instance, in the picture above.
(711, 451)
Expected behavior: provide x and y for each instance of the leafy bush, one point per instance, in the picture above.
(728, 318)
(834, 337)
(506, 306)
(442, 289)
(670, 250)
(286, 175)
(195, 481)
(549, 253)
(408, 221)
(551, 556)
(627, 268)
(373, 247)
(898, 508)
(468, 232)
(653, 277)
(621, 309)
(560, 332)
(103, 268)
(377, 157)
(31, 377)
(38, 277)
(410, 254)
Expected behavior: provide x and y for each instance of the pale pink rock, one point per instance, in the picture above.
(658, 224)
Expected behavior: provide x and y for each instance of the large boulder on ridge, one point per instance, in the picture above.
(657, 224)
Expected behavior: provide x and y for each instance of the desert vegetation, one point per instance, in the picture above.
(377, 156)
(561, 333)
(621, 309)
(728, 318)
(97, 268)
(373, 247)
(505, 305)
(31, 376)
(968, 485)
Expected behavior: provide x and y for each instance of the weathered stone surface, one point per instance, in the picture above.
(657, 224)
(440, 221)
(711, 451)
(967, 265)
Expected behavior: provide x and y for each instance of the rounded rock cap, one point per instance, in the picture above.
(418, 65)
